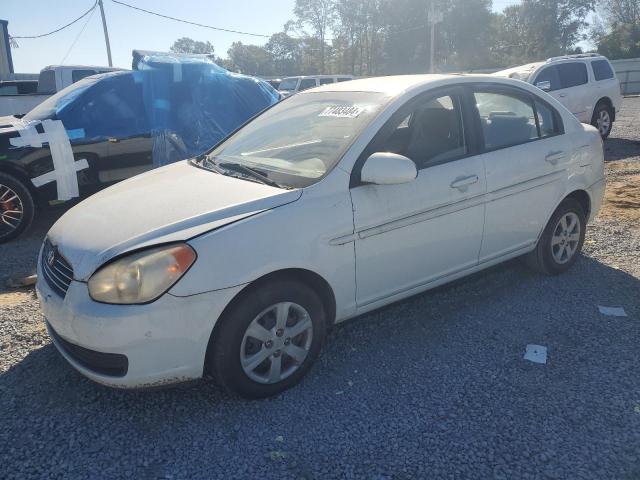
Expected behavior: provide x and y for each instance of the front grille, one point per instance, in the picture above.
(111, 364)
(55, 269)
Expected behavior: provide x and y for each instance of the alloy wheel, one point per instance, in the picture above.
(565, 238)
(11, 210)
(604, 122)
(276, 343)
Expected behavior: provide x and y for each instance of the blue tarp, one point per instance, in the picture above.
(192, 104)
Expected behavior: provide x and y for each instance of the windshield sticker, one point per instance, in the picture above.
(340, 111)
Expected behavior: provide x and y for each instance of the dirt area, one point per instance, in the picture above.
(622, 197)
(14, 298)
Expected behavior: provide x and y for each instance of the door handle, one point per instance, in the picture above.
(113, 140)
(554, 157)
(562, 95)
(462, 183)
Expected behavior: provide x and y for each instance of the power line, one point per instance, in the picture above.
(77, 37)
(61, 28)
(189, 22)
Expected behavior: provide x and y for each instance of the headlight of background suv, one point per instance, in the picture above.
(142, 276)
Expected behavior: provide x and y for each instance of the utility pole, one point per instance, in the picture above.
(434, 16)
(106, 33)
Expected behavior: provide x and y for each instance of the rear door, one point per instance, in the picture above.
(574, 92)
(525, 155)
(410, 235)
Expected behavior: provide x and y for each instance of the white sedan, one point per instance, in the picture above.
(330, 204)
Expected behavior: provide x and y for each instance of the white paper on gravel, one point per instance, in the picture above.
(612, 311)
(65, 167)
(536, 354)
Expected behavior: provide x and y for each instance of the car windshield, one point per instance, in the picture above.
(288, 84)
(299, 140)
(52, 105)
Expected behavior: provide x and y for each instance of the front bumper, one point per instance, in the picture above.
(163, 342)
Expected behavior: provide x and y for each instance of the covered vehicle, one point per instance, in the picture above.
(109, 127)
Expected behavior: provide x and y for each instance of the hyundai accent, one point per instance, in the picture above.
(330, 204)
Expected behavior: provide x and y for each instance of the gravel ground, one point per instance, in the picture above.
(432, 387)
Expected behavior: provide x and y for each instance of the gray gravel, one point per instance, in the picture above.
(432, 387)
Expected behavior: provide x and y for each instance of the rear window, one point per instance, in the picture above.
(601, 70)
(572, 74)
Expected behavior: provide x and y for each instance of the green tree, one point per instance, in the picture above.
(617, 35)
(188, 45)
(250, 59)
(320, 16)
(537, 29)
(286, 54)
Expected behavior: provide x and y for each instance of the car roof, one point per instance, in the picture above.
(395, 85)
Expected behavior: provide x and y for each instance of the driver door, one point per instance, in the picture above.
(411, 235)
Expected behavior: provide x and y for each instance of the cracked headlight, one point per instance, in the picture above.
(142, 276)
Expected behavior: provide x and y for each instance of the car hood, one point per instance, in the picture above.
(172, 203)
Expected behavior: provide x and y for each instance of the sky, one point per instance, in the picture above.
(83, 43)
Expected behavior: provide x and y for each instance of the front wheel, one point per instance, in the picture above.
(268, 339)
(16, 207)
(603, 119)
(561, 240)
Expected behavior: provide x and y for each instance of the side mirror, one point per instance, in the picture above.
(385, 168)
(544, 85)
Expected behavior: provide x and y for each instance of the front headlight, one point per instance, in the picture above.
(141, 277)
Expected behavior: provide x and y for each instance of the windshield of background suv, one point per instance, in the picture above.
(288, 84)
(55, 103)
(299, 140)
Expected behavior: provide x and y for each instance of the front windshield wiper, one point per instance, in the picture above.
(243, 169)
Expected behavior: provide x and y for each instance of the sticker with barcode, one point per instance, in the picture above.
(341, 111)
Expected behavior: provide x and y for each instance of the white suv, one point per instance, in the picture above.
(586, 84)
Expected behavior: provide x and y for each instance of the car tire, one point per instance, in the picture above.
(17, 207)
(603, 119)
(245, 358)
(561, 242)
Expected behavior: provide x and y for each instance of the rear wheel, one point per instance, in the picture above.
(268, 339)
(16, 207)
(603, 119)
(561, 241)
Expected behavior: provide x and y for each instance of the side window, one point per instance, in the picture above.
(431, 133)
(549, 74)
(307, 83)
(343, 79)
(506, 119)
(80, 74)
(112, 108)
(572, 74)
(548, 120)
(325, 81)
(601, 70)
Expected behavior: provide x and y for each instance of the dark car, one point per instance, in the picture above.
(114, 126)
